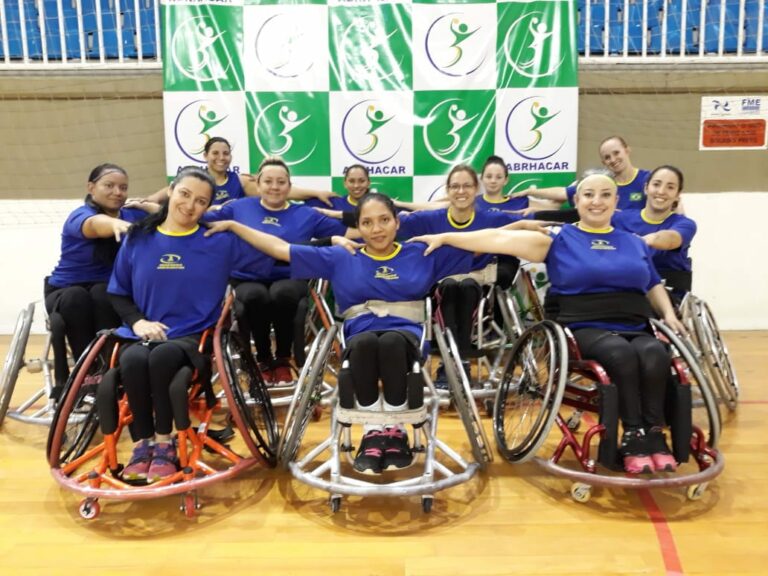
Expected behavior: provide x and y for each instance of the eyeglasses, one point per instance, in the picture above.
(457, 187)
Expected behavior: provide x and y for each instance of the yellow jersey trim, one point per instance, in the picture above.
(285, 206)
(394, 253)
(491, 201)
(453, 223)
(581, 226)
(649, 221)
(630, 180)
(351, 201)
(187, 233)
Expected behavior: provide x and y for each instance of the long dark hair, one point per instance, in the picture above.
(674, 169)
(104, 249)
(151, 222)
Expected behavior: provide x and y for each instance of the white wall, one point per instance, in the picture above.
(730, 253)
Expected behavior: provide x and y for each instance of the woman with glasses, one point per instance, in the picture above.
(459, 295)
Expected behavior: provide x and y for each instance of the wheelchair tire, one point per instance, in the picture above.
(14, 360)
(461, 394)
(698, 379)
(249, 399)
(531, 391)
(75, 421)
(716, 355)
(305, 397)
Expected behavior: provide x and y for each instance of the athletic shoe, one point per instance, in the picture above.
(266, 373)
(369, 456)
(164, 462)
(634, 450)
(281, 371)
(397, 449)
(663, 460)
(138, 465)
(441, 380)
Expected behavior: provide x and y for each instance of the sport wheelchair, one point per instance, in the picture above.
(429, 474)
(30, 411)
(84, 442)
(546, 375)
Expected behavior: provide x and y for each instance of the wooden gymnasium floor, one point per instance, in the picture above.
(509, 520)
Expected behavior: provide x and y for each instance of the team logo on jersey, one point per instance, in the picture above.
(445, 133)
(455, 45)
(195, 124)
(636, 197)
(271, 220)
(600, 244)
(283, 46)
(532, 45)
(369, 134)
(193, 49)
(386, 273)
(280, 130)
(532, 129)
(170, 262)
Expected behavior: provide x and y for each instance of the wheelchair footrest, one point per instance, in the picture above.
(350, 416)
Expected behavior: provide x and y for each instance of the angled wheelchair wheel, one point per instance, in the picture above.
(716, 355)
(248, 395)
(530, 391)
(75, 421)
(306, 396)
(707, 416)
(14, 360)
(462, 396)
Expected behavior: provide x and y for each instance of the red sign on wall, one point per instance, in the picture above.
(733, 133)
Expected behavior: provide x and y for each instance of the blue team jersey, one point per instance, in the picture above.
(439, 221)
(405, 275)
(504, 203)
(232, 189)
(636, 222)
(80, 260)
(294, 223)
(343, 203)
(179, 280)
(631, 193)
(589, 262)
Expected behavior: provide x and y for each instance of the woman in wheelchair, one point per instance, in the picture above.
(604, 288)
(270, 298)
(75, 291)
(380, 289)
(669, 234)
(167, 285)
(458, 297)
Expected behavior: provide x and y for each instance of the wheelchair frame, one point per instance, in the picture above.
(538, 394)
(93, 471)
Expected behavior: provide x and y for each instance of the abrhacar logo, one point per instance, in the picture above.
(195, 124)
(369, 134)
(283, 46)
(532, 46)
(445, 131)
(193, 49)
(530, 129)
(455, 45)
(280, 129)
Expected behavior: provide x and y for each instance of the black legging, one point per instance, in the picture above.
(387, 355)
(638, 364)
(458, 301)
(147, 373)
(506, 270)
(269, 304)
(85, 309)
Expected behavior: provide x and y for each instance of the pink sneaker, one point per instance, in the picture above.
(164, 462)
(138, 465)
(634, 450)
(638, 464)
(663, 460)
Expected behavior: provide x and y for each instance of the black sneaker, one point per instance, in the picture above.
(441, 380)
(634, 452)
(663, 460)
(369, 456)
(397, 450)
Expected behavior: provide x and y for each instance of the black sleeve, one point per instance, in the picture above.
(126, 308)
(319, 242)
(348, 219)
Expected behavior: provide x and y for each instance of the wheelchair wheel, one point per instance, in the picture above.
(716, 355)
(708, 416)
(462, 396)
(305, 397)
(530, 391)
(248, 395)
(14, 361)
(75, 421)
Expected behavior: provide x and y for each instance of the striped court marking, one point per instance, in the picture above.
(667, 546)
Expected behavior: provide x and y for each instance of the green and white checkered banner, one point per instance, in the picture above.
(406, 88)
